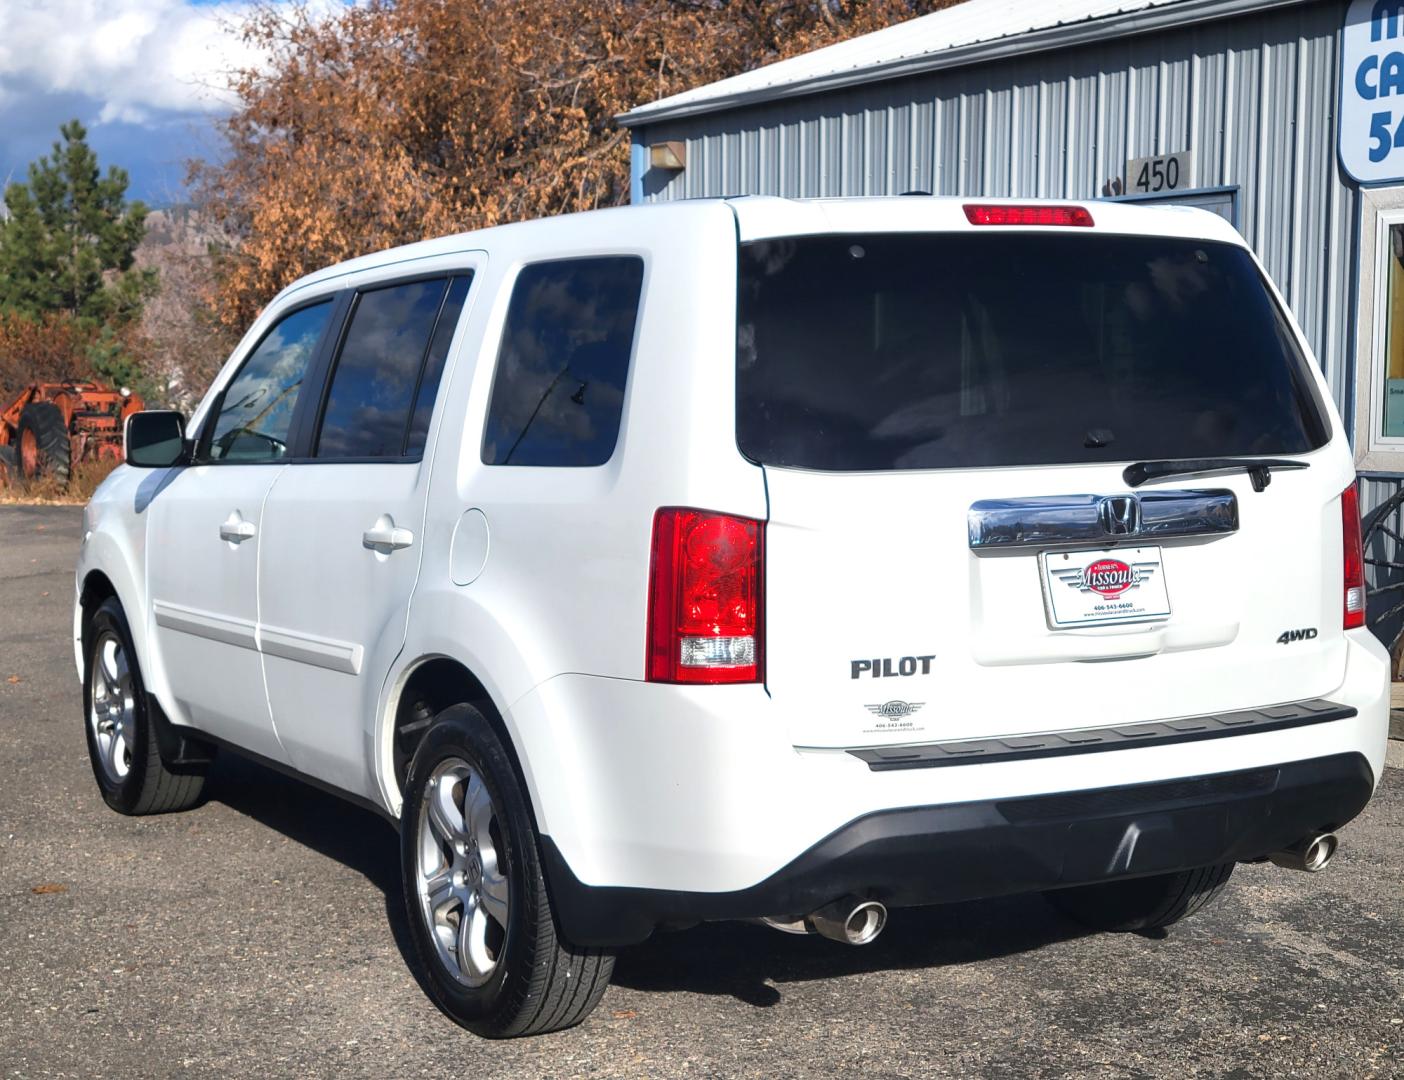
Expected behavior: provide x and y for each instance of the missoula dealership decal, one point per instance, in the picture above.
(1372, 91)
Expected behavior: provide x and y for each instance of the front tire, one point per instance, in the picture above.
(491, 953)
(1146, 903)
(122, 745)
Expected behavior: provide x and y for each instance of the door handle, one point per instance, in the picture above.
(385, 534)
(236, 530)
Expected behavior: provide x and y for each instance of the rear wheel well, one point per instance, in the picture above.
(432, 687)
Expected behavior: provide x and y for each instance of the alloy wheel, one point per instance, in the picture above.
(112, 711)
(461, 878)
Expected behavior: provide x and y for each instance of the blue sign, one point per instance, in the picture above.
(1372, 91)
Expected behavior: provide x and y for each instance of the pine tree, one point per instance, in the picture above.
(69, 243)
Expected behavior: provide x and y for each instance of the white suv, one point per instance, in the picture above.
(756, 559)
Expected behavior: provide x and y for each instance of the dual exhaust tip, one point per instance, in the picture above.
(1309, 854)
(856, 921)
(852, 921)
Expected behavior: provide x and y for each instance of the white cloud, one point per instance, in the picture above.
(133, 58)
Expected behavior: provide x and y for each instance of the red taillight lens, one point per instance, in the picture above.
(1352, 559)
(1074, 216)
(704, 597)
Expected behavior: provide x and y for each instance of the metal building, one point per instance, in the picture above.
(1286, 116)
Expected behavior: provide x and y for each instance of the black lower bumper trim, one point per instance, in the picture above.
(966, 851)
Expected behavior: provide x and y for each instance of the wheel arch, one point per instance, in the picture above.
(424, 687)
(96, 588)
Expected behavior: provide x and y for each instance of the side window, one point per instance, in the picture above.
(372, 392)
(256, 409)
(434, 366)
(559, 388)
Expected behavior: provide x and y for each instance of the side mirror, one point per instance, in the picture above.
(155, 439)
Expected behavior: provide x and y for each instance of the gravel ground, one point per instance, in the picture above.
(261, 935)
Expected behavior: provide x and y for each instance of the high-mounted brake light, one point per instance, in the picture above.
(706, 583)
(996, 214)
(1352, 559)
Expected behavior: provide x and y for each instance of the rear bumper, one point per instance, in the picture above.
(645, 791)
(971, 850)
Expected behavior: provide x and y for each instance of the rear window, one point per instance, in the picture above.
(921, 351)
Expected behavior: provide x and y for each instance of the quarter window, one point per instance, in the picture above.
(372, 393)
(256, 409)
(558, 393)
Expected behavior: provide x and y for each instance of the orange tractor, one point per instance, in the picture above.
(52, 427)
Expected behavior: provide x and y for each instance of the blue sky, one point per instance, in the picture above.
(145, 76)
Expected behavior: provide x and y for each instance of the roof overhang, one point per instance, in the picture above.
(1063, 36)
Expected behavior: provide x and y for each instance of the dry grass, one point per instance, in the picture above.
(87, 475)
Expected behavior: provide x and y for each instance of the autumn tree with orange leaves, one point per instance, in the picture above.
(398, 120)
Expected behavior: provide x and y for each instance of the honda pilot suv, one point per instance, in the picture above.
(787, 561)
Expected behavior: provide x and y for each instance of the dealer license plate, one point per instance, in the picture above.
(1091, 588)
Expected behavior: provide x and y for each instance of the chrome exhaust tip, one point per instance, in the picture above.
(852, 920)
(1309, 854)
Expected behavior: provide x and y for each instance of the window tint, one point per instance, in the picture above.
(559, 388)
(372, 387)
(932, 351)
(256, 409)
(434, 366)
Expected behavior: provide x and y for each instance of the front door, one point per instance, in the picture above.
(205, 536)
(343, 529)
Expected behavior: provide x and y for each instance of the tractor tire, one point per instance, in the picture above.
(8, 473)
(44, 449)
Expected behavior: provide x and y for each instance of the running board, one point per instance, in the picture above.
(1102, 739)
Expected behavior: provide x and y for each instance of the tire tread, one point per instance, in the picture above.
(551, 983)
(160, 790)
(45, 419)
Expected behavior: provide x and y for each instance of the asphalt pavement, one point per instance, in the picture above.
(262, 935)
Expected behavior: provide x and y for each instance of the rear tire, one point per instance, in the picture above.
(1146, 903)
(121, 737)
(490, 951)
(44, 449)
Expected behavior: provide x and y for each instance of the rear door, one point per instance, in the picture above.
(955, 549)
(343, 525)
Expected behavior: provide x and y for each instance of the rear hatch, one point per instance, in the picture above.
(955, 549)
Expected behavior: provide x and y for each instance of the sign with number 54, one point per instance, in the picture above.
(1372, 91)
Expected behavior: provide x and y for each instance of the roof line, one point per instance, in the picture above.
(1066, 35)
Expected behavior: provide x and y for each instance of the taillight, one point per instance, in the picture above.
(704, 598)
(1352, 559)
(996, 214)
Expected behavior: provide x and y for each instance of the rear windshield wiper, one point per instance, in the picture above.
(1259, 469)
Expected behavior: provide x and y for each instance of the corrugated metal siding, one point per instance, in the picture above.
(1252, 97)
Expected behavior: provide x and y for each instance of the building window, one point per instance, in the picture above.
(1391, 393)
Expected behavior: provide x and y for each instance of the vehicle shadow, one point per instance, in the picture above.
(750, 962)
(354, 836)
(739, 960)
